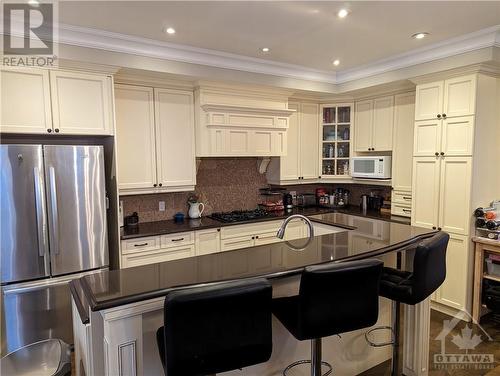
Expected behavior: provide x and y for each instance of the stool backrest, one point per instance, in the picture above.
(338, 298)
(217, 328)
(429, 266)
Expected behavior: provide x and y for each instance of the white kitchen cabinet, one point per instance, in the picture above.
(135, 123)
(237, 242)
(25, 101)
(207, 241)
(363, 126)
(175, 138)
(160, 255)
(453, 97)
(374, 124)
(82, 103)
(402, 155)
(453, 291)
(155, 140)
(425, 191)
(454, 194)
(429, 100)
(300, 164)
(427, 138)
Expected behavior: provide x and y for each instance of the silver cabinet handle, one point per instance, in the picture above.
(53, 209)
(41, 220)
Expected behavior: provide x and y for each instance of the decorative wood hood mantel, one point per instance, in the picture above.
(239, 123)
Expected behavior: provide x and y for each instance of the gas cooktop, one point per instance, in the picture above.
(239, 215)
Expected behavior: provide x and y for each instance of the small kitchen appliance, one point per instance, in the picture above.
(372, 167)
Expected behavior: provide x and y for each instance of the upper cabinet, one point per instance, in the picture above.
(444, 99)
(374, 124)
(236, 123)
(25, 101)
(40, 101)
(82, 103)
(301, 161)
(155, 140)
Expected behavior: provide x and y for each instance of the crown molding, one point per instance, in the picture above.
(128, 44)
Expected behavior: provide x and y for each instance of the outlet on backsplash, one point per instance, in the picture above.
(161, 206)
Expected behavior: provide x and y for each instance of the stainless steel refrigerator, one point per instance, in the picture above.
(52, 229)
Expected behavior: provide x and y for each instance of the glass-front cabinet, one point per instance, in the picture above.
(336, 134)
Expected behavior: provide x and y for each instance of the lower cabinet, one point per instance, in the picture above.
(454, 290)
(160, 255)
(207, 241)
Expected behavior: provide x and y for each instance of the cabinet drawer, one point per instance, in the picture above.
(401, 197)
(140, 244)
(237, 243)
(160, 255)
(174, 240)
(249, 229)
(267, 238)
(401, 210)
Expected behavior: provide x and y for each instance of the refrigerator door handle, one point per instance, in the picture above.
(41, 220)
(53, 211)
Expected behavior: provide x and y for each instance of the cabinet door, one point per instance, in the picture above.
(427, 138)
(175, 138)
(429, 101)
(135, 137)
(383, 123)
(363, 126)
(237, 243)
(309, 141)
(425, 192)
(458, 136)
(25, 101)
(402, 160)
(460, 96)
(207, 241)
(81, 103)
(453, 291)
(289, 164)
(454, 196)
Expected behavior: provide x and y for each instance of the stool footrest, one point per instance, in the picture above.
(380, 344)
(300, 362)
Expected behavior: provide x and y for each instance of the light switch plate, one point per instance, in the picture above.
(161, 205)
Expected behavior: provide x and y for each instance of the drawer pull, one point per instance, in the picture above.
(178, 240)
(406, 198)
(140, 245)
(407, 210)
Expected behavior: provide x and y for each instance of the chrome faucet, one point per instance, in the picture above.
(281, 231)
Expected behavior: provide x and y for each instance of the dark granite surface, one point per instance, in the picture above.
(170, 227)
(369, 238)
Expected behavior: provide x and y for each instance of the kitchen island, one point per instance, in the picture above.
(116, 313)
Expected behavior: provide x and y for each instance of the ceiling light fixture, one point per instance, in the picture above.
(265, 49)
(169, 30)
(421, 35)
(33, 3)
(343, 13)
(336, 62)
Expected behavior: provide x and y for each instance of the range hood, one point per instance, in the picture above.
(238, 123)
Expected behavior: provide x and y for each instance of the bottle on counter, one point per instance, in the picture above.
(492, 225)
(486, 212)
(480, 222)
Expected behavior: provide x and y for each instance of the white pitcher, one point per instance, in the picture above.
(195, 210)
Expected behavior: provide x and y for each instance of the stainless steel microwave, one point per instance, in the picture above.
(373, 167)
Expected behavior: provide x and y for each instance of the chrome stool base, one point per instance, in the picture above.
(300, 362)
(380, 344)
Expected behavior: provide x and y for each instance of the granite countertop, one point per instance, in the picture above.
(170, 227)
(368, 238)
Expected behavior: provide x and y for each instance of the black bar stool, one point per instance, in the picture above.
(429, 272)
(333, 299)
(217, 328)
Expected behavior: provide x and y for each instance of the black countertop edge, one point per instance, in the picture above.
(95, 306)
(171, 227)
(76, 290)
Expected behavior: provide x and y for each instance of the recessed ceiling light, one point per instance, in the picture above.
(336, 62)
(169, 30)
(421, 35)
(343, 13)
(265, 49)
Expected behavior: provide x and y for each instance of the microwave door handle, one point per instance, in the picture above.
(41, 220)
(53, 210)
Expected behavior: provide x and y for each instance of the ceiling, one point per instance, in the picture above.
(303, 33)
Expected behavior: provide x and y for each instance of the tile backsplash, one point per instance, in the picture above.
(225, 184)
